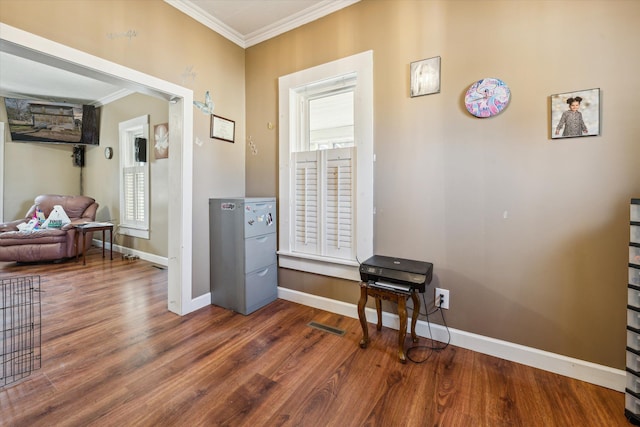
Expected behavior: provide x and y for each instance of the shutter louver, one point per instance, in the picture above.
(134, 196)
(140, 196)
(306, 202)
(129, 197)
(339, 212)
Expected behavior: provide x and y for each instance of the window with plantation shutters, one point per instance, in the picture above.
(326, 167)
(134, 182)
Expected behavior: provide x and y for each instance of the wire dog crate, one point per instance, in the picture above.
(20, 337)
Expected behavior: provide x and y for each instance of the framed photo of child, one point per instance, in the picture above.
(575, 114)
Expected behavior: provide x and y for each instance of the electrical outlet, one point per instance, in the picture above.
(442, 298)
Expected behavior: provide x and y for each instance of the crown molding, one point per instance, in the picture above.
(310, 14)
(112, 97)
(190, 9)
(317, 11)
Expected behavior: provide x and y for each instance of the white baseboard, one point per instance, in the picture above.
(582, 370)
(192, 305)
(156, 259)
(574, 368)
(198, 302)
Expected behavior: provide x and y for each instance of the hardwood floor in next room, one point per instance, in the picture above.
(113, 355)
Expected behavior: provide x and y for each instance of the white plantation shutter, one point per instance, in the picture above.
(306, 219)
(324, 203)
(134, 178)
(338, 206)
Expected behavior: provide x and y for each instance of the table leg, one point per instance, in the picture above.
(379, 312)
(84, 247)
(363, 319)
(76, 244)
(414, 317)
(402, 332)
(110, 242)
(103, 243)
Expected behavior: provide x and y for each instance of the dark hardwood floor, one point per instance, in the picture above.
(113, 355)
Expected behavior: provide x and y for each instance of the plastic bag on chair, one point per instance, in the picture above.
(27, 227)
(57, 218)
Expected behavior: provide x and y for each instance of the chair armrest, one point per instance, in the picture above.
(11, 225)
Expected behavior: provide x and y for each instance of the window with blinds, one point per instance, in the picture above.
(326, 173)
(134, 182)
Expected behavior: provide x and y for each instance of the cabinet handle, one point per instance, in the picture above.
(263, 272)
(262, 239)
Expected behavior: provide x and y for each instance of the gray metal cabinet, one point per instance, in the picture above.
(242, 241)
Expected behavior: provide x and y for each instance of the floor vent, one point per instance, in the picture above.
(326, 328)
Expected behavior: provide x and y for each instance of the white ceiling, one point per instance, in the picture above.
(248, 22)
(244, 22)
(24, 78)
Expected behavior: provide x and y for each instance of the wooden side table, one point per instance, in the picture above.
(400, 298)
(89, 227)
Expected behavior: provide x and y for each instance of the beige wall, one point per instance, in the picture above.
(102, 174)
(157, 39)
(553, 274)
(31, 169)
(51, 171)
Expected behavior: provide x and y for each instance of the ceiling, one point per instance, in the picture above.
(244, 22)
(24, 78)
(248, 22)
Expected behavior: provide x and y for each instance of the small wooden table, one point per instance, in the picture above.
(89, 227)
(398, 296)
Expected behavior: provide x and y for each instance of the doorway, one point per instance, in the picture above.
(21, 43)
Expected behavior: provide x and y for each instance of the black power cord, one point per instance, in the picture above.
(430, 348)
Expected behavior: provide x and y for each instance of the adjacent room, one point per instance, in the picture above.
(152, 149)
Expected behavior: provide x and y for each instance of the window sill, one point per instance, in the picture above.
(133, 232)
(349, 270)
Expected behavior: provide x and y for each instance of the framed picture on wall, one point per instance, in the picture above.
(222, 128)
(161, 141)
(425, 77)
(575, 114)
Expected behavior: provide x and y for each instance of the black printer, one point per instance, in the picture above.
(396, 273)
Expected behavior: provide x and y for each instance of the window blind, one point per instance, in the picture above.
(324, 203)
(134, 196)
(306, 220)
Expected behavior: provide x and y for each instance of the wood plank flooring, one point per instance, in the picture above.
(113, 355)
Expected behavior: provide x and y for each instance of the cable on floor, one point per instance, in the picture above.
(430, 348)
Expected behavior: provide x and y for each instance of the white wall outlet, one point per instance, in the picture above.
(442, 298)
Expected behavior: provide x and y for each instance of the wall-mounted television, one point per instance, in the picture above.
(32, 120)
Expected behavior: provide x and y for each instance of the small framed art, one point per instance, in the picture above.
(575, 114)
(161, 141)
(222, 128)
(425, 77)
